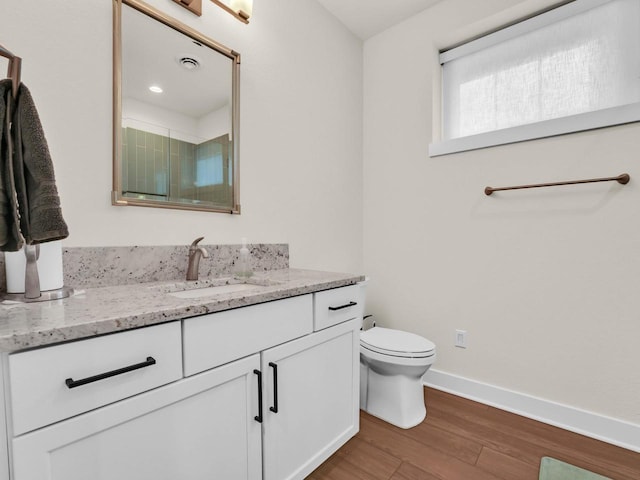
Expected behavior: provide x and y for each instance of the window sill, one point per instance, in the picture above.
(549, 128)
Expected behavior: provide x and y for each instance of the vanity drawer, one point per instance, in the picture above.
(43, 381)
(331, 307)
(218, 338)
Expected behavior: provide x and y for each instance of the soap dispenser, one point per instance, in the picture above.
(244, 264)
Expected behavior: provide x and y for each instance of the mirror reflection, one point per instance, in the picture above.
(177, 133)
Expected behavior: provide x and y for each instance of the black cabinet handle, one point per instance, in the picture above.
(274, 409)
(71, 383)
(346, 305)
(258, 418)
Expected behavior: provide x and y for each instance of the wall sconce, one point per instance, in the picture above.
(241, 9)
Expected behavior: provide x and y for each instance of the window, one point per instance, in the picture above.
(573, 68)
(209, 167)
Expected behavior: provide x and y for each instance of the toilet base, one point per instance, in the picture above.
(396, 399)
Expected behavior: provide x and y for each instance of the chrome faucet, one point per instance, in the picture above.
(195, 252)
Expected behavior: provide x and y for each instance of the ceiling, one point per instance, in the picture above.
(366, 18)
(151, 54)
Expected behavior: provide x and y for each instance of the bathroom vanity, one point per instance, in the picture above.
(249, 383)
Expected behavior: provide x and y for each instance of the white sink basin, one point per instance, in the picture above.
(209, 291)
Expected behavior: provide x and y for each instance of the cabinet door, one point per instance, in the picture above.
(198, 428)
(317, 400)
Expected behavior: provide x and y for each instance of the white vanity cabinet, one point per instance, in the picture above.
(311, 403)
(198, 428)
(310, 384)
(258, 392)
(54, 383)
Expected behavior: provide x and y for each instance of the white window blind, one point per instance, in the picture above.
(573, 68)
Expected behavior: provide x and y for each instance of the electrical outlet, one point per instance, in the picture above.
(461, 339)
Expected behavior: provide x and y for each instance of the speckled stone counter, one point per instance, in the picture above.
(101, 310)
(105, 266)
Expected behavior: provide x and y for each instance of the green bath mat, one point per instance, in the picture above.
(552, 469)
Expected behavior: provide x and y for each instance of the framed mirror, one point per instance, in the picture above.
(175, 114)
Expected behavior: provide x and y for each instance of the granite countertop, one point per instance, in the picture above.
(97, 311)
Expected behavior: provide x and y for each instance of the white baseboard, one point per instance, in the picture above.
(607, 429)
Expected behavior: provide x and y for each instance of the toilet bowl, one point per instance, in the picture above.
(392, 363)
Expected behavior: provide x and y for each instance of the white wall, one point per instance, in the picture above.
(545, 281)
(215, 124)
(300, 133)
(160, 121)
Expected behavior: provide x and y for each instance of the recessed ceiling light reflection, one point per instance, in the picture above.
(155, 89)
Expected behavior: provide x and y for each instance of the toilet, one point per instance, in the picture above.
(392, 363)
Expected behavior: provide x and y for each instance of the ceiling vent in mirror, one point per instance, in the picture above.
(189, 62)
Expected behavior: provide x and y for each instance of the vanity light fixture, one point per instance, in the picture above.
(241, 9)
(155, 89)
(194, 6)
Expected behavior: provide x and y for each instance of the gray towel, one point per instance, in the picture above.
(10, 237)
(38, 201)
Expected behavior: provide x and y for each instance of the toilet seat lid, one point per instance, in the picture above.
(396, 342)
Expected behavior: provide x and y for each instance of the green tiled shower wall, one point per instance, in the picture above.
(151, 162)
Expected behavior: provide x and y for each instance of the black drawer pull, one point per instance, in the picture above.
(274, 409)
(71, 383)
(258, 418)
(346, 305)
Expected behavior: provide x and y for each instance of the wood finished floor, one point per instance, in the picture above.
(465, 440)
